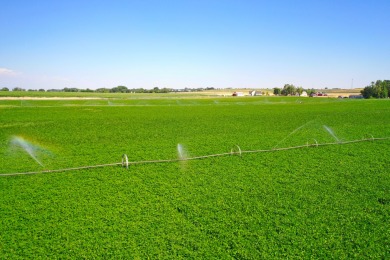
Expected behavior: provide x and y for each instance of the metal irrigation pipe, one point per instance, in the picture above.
(126, 163)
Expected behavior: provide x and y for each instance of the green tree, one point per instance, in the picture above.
(4, 89)
(367, 92)
(103, 90)
(119, 89)
(86, 90)
(18, 89)
(277, 91)
(71, 90)
(387, 85)
(289, 90)
(378, 89)
(299, 90)
(381, 90)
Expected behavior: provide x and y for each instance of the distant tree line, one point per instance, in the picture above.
(378, 89)
(118, 89)
(21, 89)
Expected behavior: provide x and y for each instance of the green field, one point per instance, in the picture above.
(313, 202)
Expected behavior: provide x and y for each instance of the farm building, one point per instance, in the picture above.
(356, 96)
(237, 94)
(255, 93)
(319, 94)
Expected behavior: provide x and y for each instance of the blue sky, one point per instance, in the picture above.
(226, 43)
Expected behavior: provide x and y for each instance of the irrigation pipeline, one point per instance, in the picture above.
(235, 151)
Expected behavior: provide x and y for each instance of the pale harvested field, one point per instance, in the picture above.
(202, 94)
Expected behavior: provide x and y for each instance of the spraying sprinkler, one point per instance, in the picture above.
(181, 152)
(28, 147)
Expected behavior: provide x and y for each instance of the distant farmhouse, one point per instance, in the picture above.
(255, 93)
(319, 94)
(237, 94)
(356, 96)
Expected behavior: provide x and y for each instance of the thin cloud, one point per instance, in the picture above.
(7, 72)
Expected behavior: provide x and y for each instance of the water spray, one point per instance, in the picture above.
(236, 150)
(293, 132)
(28, 147)
(181, 152)
(330, 131)
(316, 143)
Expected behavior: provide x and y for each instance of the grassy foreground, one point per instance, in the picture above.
(324, 202)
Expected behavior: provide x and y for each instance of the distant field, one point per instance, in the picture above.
(202, 94)
(312, 202)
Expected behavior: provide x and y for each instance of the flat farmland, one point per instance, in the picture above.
(328, 201)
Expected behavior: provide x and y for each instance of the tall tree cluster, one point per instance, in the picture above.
(378, 89)
(288, 90)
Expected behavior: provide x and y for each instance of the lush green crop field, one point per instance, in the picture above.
(314, 202)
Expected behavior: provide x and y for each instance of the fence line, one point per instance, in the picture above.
(126, 163)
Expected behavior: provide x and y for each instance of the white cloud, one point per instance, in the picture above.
(7, 72)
